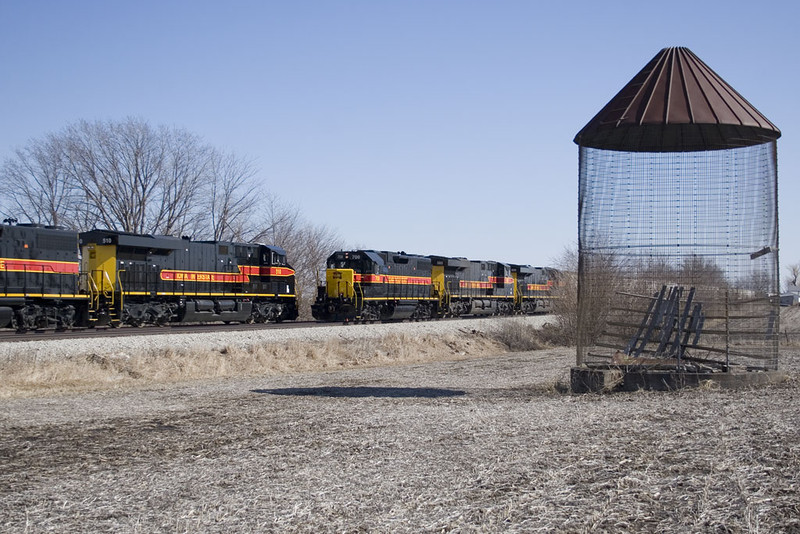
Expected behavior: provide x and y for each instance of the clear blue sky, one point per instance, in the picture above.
(434, 127)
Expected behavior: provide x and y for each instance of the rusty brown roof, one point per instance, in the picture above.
(676, 103)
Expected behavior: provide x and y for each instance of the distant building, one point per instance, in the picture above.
(791, 297)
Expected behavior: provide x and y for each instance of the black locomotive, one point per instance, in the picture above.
(143, 279)
(373, 285)
(55, 278)
(40, 282)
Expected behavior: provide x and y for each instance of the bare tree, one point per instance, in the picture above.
(280, 223)
(314, 244)
(231, 196)
(794, 274)
(601, 276)
(118, 166)
(132, 177)
(185, 171)
(34, 185)
(702, 272)
(307, 245)
(565, 293)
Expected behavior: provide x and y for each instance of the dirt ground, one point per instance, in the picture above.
(484, 445)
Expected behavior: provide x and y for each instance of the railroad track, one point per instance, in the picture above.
(10, 336)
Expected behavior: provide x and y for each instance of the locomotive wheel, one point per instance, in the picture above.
(14, 322)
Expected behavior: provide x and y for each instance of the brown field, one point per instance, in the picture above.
(444, 441)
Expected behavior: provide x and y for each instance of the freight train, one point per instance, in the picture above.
(370, 285)
(56, 278)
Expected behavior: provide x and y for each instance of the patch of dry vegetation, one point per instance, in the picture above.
(136, 367)
(518, 336)
(475, 445)
(397, 434)
(790, 326)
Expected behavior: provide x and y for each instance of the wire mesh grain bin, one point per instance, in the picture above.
(678, 225)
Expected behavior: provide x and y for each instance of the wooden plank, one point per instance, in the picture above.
(733, 332)
(722, 317)
(731, 352)
(668, 321)
(626, 325)
(680, 340)
(655, 318)
(698, 321)
(632, 343)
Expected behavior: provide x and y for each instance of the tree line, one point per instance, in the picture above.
(133, 177)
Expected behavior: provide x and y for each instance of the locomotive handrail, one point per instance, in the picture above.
(105, 288)
(357, 292)
(119, 287)
(94, 292)
(107, 279)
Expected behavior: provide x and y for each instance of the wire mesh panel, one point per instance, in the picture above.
(678, 258)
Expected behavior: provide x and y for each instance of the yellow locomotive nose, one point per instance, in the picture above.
(340, 283)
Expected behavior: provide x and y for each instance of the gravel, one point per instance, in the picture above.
(38, 351)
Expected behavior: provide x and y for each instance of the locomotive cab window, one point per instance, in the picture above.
(349, 263)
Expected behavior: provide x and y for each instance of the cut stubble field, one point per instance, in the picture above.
(465, 444)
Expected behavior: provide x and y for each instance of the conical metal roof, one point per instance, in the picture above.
(676, 103)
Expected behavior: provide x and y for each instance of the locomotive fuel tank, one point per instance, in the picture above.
(6, 315)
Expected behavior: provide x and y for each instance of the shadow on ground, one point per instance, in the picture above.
(364, 391)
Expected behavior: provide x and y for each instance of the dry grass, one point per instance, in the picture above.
(136, 368)
(365, 443)
(476, 445)
(790, 326)
(518, 336)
